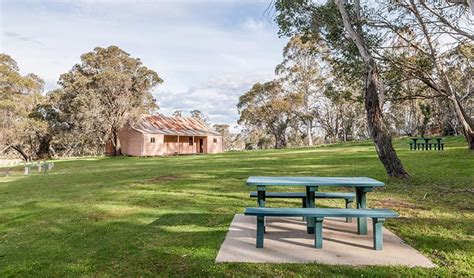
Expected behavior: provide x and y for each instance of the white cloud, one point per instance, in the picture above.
(208, 52)
(217, 97)
(251, 24)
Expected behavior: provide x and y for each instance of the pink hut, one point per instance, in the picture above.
(158, 135)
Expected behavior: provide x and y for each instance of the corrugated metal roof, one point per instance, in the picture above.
(182, 126)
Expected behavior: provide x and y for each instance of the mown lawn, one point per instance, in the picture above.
(168, 216)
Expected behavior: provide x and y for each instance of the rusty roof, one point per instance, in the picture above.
(183, 126)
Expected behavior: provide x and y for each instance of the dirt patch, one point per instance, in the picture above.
(161, 179)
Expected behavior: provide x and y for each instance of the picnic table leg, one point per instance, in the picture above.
(261, 196)
(261, 202)
(260, 231)
(348, 206)
(361, 200)
(311, 204)
(304, 204)
(318, 234)
(378, 233)
(438, 144)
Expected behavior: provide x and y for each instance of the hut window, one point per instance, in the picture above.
(190, 141)
(215, 140)
(152, 139)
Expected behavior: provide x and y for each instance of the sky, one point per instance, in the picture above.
(208, 52)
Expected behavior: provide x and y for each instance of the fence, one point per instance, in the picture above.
(29, 168)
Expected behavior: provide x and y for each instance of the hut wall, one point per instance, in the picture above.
(214, 144)
(153, 144)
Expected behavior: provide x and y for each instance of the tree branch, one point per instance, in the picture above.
(447, 23)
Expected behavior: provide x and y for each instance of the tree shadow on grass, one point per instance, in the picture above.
(68, 240)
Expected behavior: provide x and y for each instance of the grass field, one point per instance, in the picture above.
(168, 216)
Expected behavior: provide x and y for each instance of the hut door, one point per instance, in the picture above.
(201, 145)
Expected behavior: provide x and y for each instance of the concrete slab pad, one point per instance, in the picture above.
(286, 241)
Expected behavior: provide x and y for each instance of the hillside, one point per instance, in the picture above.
(168, 216)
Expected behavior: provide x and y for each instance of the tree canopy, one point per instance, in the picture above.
(108, 88)
(270, 107)
(19, 96)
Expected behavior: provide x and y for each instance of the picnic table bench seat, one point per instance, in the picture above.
(378, 217)
(347, 196)
(319, 195)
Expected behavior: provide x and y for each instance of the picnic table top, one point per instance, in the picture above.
(314, 181)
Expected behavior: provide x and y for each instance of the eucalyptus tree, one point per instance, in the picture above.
(224, 130)
(104, 91)
(19, 95)
(342, 27)
(269, 107)
(340, 113)
(197, 114)
(433, 43)
(305, 71)
(48, 127)
(177, 113)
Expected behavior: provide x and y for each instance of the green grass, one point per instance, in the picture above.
(168, 216)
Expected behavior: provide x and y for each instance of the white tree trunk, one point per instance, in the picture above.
(373, 100)
(310, 132)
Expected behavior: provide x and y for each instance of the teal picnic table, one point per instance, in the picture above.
(362, 185)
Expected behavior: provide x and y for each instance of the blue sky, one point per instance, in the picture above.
(208, 52)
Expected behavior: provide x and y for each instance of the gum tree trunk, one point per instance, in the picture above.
(310, 132)
(373, 91)
(378, 130)
(44, 147)
(464, 120)
(25, 157)
(115, 144)
(280, 141)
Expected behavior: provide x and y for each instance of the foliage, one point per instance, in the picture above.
(270, 107)
(425, 43)
(199, 115)
(178, 113)
(322, 22)
(426, 110)
(105, 91)
(228, 139)
(353, 30)
(19, 96)
(302, 72)
(323, 63)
